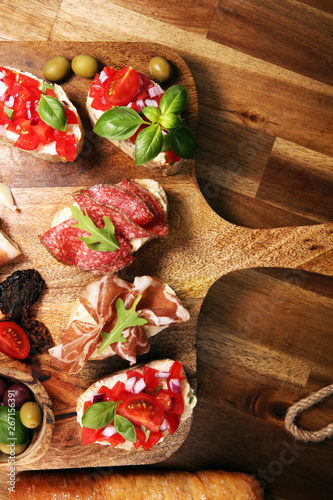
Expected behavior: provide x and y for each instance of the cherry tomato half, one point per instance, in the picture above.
(13, 340)
(142, 409)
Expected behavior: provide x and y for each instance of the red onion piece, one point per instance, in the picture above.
(3, 88)
(140, 104)
(9, 102)
(151, 102)
(164, 425)
(34, 121)
(175, 385)
(155, 91)
(103, 76)
(162, 374)
(129, 384)
(97, 398)
(109, 431)
(139, 386)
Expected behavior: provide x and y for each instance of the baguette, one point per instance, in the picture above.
(136, 485)
(51, 148)
(158, 165)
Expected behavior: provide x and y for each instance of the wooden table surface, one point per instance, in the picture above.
(263, 72)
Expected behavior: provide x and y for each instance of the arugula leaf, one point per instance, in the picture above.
(11, 427)
(125, 319)
(99, 415)
(52, 112)
(118, 123)
(9, 112)
(125, 428)
(174, 100)
(102, 240)
(148, 144)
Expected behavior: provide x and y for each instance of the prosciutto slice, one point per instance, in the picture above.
(159, 305)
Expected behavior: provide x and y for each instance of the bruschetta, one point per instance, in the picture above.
(38, 117)
(106, 224)
(113, 89)
(136, 408)
(98, 323)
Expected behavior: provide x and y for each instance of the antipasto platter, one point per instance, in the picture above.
(199, 247)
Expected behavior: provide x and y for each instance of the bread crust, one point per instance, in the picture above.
(61, 96)
(136, 485)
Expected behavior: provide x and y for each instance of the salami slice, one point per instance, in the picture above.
(96, 211)
(158, 225)
(63, 242)
(119, 198)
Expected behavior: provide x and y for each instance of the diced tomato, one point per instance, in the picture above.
(50, 92)
(177, 371)
(118, 89)
(71, 116)
(65, 145)
(28, 141)
(164, 399)
(115, 392)
(44, 132)
(173, 421)
(134, 373)
(113, 440)
(9, 79)
(177, 403)
(146, 82)
(140, 437)
(4, 119)
(27, 81)
(171, 157)
(142, 409)
(88, 435)
(153, 439)
(151, 380)
(142, 95)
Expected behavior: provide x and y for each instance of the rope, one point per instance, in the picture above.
(301, 406)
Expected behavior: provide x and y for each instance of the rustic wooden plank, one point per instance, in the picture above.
(274, 31)
(299, 181)
(247, 211)
(30, 20)
(235, 85)
(189, 15)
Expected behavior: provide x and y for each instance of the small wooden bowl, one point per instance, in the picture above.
(42, 435)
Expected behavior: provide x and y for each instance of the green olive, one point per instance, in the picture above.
(31, 415)
(85, 65)
(160, 69)
(9, 449)
(57, 69)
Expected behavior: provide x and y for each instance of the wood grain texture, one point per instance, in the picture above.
(263, 338)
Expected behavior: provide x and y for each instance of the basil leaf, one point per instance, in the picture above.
(169, 120)
(99, 415)
(166, 143)
(11, 428)
(118, 123)
(174, 100)
(148, 144)
(9, 112)
(52, 112)
(183, 141)
(46, 86)
(151, 113)
(125, 428)
(125, 319)
(102, 240)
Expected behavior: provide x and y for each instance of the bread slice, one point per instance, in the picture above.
(47, 151)
(162, 365)
(157, 166)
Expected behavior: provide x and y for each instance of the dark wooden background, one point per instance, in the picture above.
(263, 72)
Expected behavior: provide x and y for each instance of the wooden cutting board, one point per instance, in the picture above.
(200, 247)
